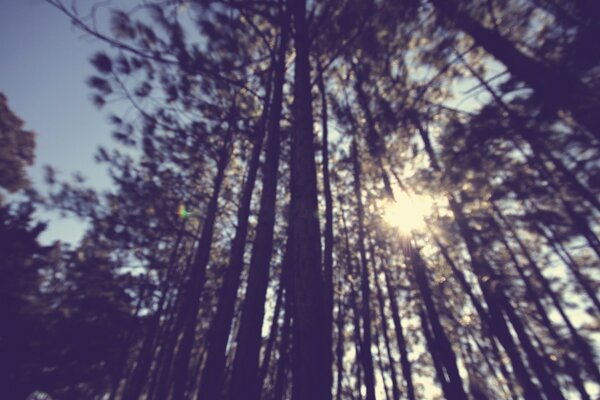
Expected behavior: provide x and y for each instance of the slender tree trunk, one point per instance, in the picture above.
(311, 334)
(366, 356)
(120, 370)
(357, 341)
(573, 369)
(497, 304)
(582, 346)
(573, 267)
(493, 294)
(340, 343)
(282, 365)
(384, 327)
(161, 379)
(328, 231)
(404, 361)
(509, 390)
(477, 388)
(214, 368)
(195, 283)
(565, 92)
(384, 321)
(380, 364)
(264, 369)
(375, 142)
(213, 373)
(281, 371)
(539, 148)
(435, 356)
(495, 297)
(353, 306)
(138, 378)
(454, 388)
(245, 379)
(486, 321)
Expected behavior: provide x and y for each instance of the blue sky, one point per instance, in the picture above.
(43, 68)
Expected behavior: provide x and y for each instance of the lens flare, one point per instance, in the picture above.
(407, 213)
(182, 212)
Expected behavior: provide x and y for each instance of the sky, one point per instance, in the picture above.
(44, 63)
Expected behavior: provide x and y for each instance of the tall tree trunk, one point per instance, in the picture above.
(572, 265)
(380, 365)
(366, 356)
(117, 374)
(404, 361)
(264, 368)
(214, 368)
(498, 302)
(328, 230)
(435, 356)
(375, 142)
(566, 91)
(582, 346)
(353, 305)
(339, 351)
(282, 369)
(539, 148)
(491, 289)
(138, 377)
(573, 369)
(310, 356)
(384, 328)
(454, 388)
(483, 314)
(283, 362)
(245, 379)
(476, 387)
(161, 378)
(213, 373)
(195, 283)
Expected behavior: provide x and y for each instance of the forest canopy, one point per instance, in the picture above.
(313, 200)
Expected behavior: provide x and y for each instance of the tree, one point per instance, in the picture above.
(17, 149)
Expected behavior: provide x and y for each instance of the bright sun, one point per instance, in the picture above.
(407, 213)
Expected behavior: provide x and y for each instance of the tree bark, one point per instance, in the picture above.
(195, 283)
(310, 354)
(365, 356)
(489, 285)
(566, 92)
(328, 230)
(404, 361)
(264, 368)
(454, 387)
(213, 372)
(384, 328)
(137, 379)
(353, 305)
(245, 379)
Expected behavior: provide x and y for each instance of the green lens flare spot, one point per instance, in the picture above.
(182, 212)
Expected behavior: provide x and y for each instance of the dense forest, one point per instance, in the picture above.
(323, 199)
